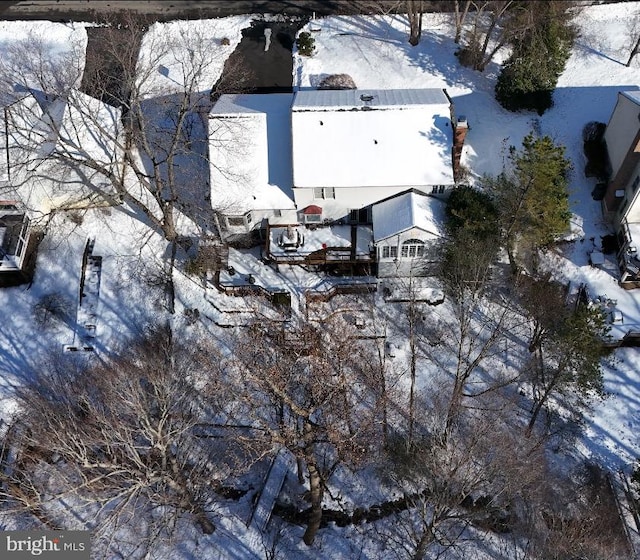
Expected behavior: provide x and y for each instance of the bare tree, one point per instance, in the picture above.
(566, 345)
(460, 13)
(473, 479)
(306, 391)
(489, 25)
(118, 440)
(497, 23)
(480, 326)
(138, 137)
(633, 36)
(415, 11)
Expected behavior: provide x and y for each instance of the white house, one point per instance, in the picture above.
(352, 148)
(250, 161)
(56, 150)
(56, 153)
(621, 203)
(324, 158)
(407, 228)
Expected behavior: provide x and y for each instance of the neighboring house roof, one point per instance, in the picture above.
(250, 152)
(370, 138)
(407, 210)
(61, 137)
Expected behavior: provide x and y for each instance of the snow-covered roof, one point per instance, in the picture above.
(250, 152)
(371, 138)
(81, 130)
(404, 211)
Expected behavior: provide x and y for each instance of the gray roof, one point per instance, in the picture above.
(307, 100)
(632, 95)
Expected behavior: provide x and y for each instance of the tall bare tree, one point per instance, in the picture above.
(118, 440)
(633, 36)
(477, 476)
(307, 392)
(566, 346)
(146, 144)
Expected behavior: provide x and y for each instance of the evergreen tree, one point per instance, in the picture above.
(532, 198)
(472, 210)
(530, 75)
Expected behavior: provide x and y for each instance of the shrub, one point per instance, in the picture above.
(52, 308)
(473, 211)
(595, 150)
(337, 81)
(470, 55)
(306, 44)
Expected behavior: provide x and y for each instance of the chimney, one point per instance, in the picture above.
(459, 134)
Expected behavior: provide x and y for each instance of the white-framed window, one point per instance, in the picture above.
(322, 193)
(438, 189)
(248, 217)
(389, 251)
(412, 248)
(312, 218)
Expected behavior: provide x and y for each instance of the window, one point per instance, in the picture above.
(312, 218)
(412, 248)
(234, 221)
(389, 252)
(360, 216)
(248, 216)
(324, 192)
(438, 189)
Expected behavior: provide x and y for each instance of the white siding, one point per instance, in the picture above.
(404, 266)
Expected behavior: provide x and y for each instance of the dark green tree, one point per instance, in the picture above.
(539, 56)
(471, 211)
(472, 242)
(532, 197)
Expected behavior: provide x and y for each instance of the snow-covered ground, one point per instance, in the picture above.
(375, 52)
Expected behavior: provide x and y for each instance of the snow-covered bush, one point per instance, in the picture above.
(337, 81)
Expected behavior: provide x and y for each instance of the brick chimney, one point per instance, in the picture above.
(459, 134)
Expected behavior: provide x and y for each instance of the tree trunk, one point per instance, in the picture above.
(414, 13)
(412, 352)
(423, 544)
(316, 493)
(460, 17)
(170, 287)
(634, 52)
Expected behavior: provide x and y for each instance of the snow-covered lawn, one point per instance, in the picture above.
(375, 52)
